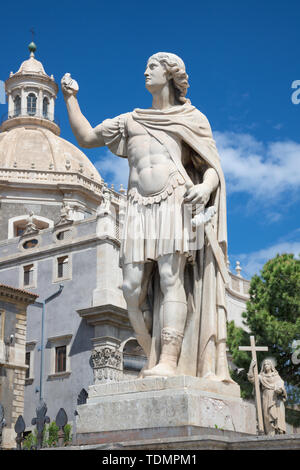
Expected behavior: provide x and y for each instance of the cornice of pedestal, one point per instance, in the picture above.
(106, 315)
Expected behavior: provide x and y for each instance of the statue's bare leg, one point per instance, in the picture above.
(171, 271)
(132, 288)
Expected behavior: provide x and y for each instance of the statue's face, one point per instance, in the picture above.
(155, 75)
(267, 366)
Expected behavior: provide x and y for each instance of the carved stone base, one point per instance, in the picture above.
(120, 411)
(107, 374)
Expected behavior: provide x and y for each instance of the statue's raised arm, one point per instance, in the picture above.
(85, 135)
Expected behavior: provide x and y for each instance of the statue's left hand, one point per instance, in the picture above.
(198, 194)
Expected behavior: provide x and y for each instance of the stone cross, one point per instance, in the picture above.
(253, 348)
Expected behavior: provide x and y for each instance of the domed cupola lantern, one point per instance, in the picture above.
(31, 96)
(39, 170)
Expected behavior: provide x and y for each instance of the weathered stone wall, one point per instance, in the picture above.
(13, 369)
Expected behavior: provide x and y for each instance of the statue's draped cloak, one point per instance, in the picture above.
(206, 317)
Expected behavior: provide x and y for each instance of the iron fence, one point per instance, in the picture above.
(56, 434)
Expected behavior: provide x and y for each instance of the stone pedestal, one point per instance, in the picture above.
(161, 407)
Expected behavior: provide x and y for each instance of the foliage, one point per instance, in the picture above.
(236, 337)
(50, 437)
(273, 317)
(292, 417)
(52, 430)
(29, 441)
(67, 434)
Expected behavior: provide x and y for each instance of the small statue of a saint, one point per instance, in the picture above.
(273, 396)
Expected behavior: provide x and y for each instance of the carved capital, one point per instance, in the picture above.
(106, 356)
(107, 363)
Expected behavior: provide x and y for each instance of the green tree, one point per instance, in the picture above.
(273, 317)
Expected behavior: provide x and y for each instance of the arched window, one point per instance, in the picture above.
(31, 104)
(17, 225)
(17, 106)
(45, 107)
(134, 358)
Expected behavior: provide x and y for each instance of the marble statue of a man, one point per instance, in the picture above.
(172, 283)
(273, 397)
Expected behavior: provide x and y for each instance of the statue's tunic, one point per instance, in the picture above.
(155, 224)
(154, 214)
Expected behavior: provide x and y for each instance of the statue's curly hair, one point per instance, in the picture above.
(175, 66)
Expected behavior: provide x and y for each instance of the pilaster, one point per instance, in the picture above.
(111, 328)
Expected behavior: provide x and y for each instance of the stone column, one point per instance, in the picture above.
(111, 328)
(51, 109)
(10, 104)
(109, 273)
(40, 103)
(23, 102)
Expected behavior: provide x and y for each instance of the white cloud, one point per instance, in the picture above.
(113, 169)
(252, 263)
(262, 170)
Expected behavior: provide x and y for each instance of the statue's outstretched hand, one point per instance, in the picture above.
(69, 86)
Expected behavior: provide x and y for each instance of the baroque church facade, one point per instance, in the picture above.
(60, 240)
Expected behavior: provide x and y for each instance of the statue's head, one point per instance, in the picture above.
(268, 366)
(163, 67)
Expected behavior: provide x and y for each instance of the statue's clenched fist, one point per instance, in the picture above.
(69, 86)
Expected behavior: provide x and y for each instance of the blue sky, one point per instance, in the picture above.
(242, 58)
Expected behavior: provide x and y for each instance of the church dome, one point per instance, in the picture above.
(28, 149)
(32, 65)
